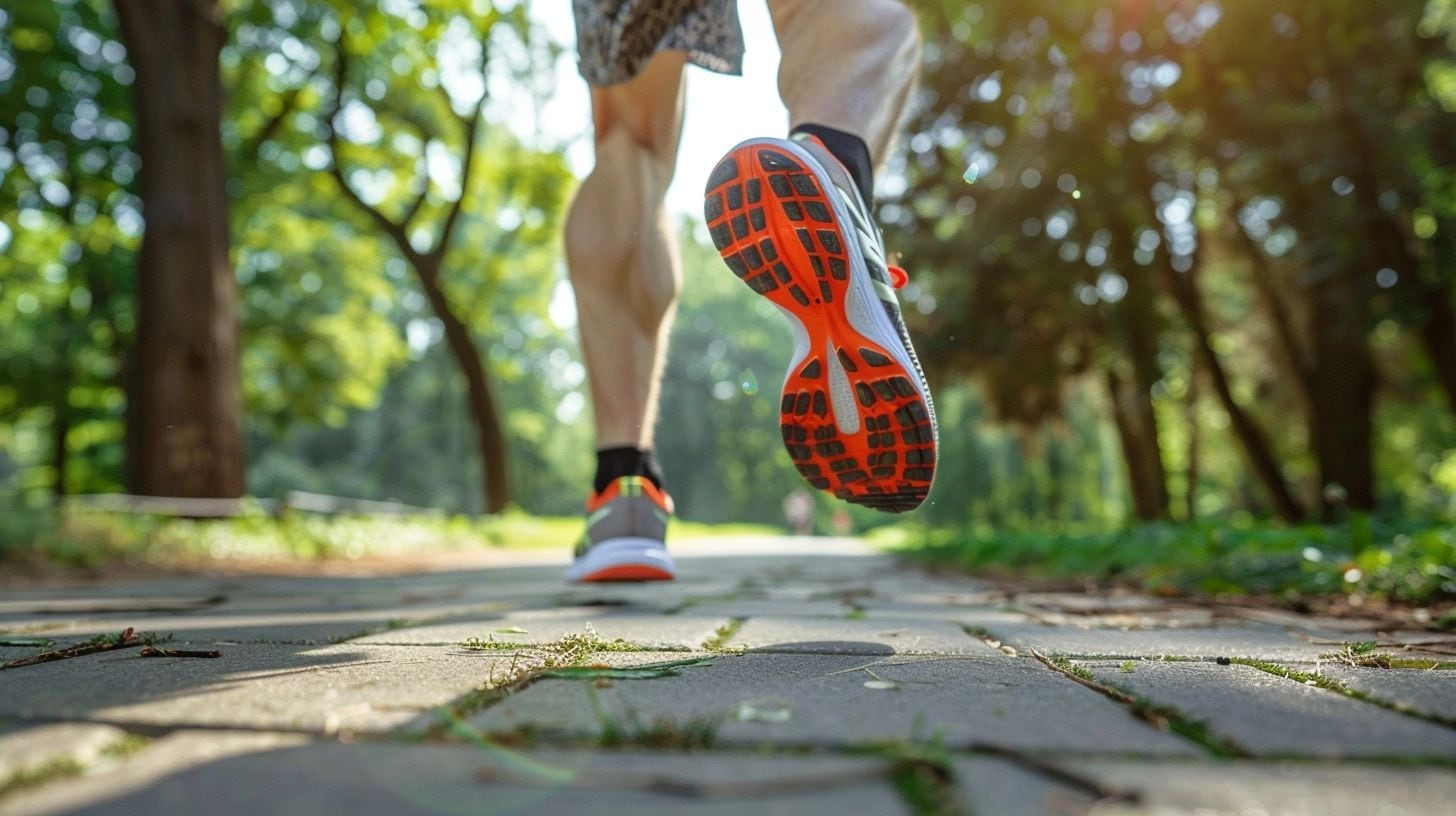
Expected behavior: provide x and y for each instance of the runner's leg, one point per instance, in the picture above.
(848, 65)
(622, 255)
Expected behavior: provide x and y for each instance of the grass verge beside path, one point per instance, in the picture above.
(90, 539)
(1402, 560)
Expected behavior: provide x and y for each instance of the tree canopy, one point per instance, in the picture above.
(1172, 258)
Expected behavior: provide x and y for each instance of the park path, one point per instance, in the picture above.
(793, 676)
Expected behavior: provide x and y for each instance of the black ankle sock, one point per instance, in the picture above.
(851, 152)
(614, 463)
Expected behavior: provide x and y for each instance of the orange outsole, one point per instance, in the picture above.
(627, 572)
(777, 231)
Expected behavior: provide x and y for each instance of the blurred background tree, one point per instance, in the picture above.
(1173, 259)
(1142, 197)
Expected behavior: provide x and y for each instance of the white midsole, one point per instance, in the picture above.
(621, 552)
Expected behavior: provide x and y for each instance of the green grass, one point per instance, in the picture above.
(40, 775)
(718, 641)
(124, 747)
(96, 539)
(1404, 560)
(586, 642)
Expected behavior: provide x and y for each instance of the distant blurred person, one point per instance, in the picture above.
(791, 217)
(799, 511)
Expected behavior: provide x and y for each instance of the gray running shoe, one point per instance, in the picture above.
(625, 528)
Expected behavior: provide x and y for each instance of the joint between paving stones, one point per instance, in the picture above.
(1330, 684)
(1157, 715)
(989, 639)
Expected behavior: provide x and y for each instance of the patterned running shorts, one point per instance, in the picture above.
(616, 38)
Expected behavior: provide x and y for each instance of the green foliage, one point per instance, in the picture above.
(1274, 157)
(69, 225)
(1113, 147)
(330, 316)
(94, 540)
(1402, 560)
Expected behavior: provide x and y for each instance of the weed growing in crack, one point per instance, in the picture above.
(1363, 655)
(1331, 684)
(27, 778)
(577, 642)
(526, 664)
(121, 748)
(1154, 714)
(126, 745)
(920, 772)
(631, 729)
(718, 641)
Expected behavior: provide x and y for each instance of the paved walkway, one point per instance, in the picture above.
(789, 676)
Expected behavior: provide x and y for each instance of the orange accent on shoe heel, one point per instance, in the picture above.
(627, 572)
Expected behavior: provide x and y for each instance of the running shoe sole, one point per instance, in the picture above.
(854, 413)
(623, 559)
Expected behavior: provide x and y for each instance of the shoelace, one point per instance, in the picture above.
(898, 277)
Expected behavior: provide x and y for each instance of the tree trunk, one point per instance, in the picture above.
(1439, 335)
(1195, 433)
(1344, 394)
(60, 429)
(184, 417)
(1147, 480)
(1251, 437)
(1133, 402)
(1438, 331)
(1281, 318)
(489, 438)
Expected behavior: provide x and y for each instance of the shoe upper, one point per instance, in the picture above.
(629, 507)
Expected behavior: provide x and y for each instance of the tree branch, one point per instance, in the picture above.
(1279, 314)
(472, 126)
(396, 231)
(419, 202)
(422, 129)
(271, 127)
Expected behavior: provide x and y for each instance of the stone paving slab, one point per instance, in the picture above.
(1253, 641)
(264, 626)
(1269, 715)
(855, 636)
(758, 607)
(1171, 618)
(105, 604)
(998, 787)
(1088, 603)
(327, 689)
(821, 700)
(364, 778)
(1431, 692)
(807, 594)
(145, 775)
(976, 618)
(1243, 788)
(26, 749)
(655, 630)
